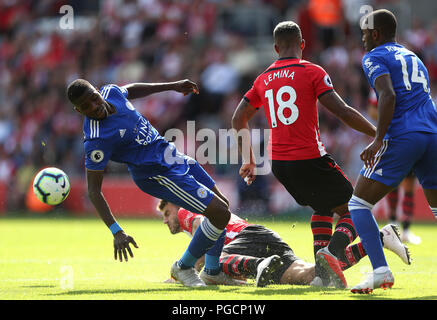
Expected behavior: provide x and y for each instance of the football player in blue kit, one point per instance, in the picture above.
(115, 131)
(406, 136)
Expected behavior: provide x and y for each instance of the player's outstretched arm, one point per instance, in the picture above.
(121, 239)
(386, 107)
(240, 123)
(141, 90)
(351, 117)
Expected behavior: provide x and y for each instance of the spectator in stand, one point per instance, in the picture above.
(163, 41)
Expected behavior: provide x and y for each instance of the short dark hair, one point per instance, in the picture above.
(287, 32)
(76, 89)
(385, 22)
(162, 203)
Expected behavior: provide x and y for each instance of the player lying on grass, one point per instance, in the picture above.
(254, 251)
(115, 131)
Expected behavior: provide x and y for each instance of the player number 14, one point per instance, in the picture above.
(416, 76)
(282, 105)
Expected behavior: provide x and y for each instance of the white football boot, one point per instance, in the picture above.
(375, 280)
(188, 277)
(392, 241)
(317, 282)
(221, 278)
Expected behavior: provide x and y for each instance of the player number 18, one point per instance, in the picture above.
(282, 105)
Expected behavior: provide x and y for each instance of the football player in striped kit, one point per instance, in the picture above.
(289, 90)
(253, 251)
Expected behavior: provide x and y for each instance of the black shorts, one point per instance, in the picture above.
(318, 183)
(261, 242)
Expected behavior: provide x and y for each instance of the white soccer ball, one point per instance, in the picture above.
(51, 186)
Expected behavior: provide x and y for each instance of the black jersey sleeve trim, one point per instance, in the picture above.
(324, 92)
(248, 101)
(288, 58)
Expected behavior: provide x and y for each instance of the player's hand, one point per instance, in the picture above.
(368, 154)
(186, 87)
(248, 172)
(121, 246)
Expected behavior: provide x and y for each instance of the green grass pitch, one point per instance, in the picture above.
(72, 258)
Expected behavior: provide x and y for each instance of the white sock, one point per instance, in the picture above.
(383, 269)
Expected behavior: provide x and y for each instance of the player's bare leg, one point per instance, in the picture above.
(219, 194)
(371, 190)
(218, 212)
(300, 272)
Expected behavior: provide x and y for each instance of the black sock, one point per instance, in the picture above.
(344, 234)
(408, 209)
(321, 227)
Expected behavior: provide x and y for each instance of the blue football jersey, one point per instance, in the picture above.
(125, 136)
(414, 109)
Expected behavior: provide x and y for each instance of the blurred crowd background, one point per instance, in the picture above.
(221, 45)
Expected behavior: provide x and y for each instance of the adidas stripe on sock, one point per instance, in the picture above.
(212, 257)
(434, 211)
(203, 239)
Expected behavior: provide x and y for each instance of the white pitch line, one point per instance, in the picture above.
(75, 279)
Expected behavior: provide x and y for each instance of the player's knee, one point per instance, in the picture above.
(225, 200)
(342, 209)
(218, 213)
(219, 194)
(225, 215)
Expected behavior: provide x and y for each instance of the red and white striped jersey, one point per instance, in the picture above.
(288, 90)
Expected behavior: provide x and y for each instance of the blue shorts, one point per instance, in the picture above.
(186, 184)
(415, 151)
